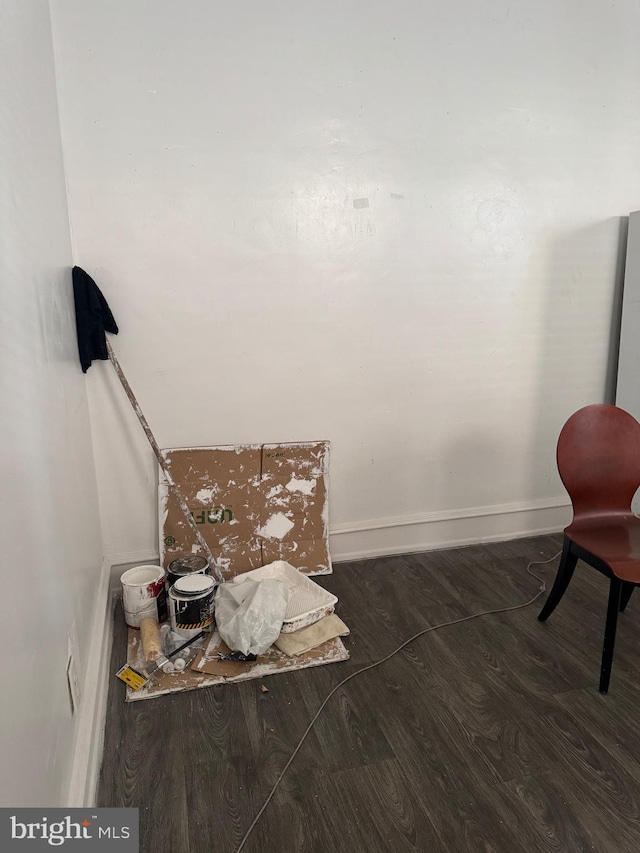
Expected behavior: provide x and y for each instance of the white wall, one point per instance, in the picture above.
(390, 225)
(51, 550)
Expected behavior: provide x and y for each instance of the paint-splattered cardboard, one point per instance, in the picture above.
(254, 504)
(207, 670)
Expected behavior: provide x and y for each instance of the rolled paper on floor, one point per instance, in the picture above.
(151, 642)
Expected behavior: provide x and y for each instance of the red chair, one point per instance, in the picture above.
(599, 463)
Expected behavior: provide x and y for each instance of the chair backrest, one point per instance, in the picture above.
(598, 458)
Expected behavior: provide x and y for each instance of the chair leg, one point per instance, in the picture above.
(615, 590)
(563, 578)
(627, 589)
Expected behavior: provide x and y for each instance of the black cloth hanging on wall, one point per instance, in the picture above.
(93, 319)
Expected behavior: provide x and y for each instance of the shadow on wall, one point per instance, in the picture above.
(579, 337)
(616, 311)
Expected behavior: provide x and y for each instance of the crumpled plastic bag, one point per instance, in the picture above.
(249, 615)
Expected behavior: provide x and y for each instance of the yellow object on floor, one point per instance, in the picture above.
(299, 642)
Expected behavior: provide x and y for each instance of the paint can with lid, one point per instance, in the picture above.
(143, 594)
(191, 604)
(185, 566)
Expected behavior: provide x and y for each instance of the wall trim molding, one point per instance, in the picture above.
(390, 550)
(448, 515)
(432, 531)
(122, 558)
(423, 531)
(89, 740)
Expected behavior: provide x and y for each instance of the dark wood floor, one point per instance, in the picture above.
(487, 736)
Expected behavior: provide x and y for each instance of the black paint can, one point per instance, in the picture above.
(182, 567)
(191, 604)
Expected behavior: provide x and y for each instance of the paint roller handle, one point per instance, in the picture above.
(151, 641)
(164, 659)
(163, 463)
(188, 643)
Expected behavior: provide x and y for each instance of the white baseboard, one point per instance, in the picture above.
(124, 560)
(449, 529)
(89, 741)
(93, 707)
(427, 531)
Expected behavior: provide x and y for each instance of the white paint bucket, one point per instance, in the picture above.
(143, 594)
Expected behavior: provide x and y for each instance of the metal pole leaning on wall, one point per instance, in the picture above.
(162, 462)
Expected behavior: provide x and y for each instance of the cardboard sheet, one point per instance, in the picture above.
(254, 504)
(273, 662)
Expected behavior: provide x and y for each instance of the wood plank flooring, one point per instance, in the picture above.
(486, 736)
